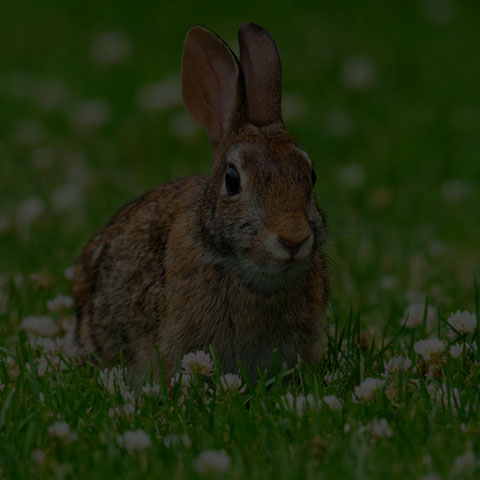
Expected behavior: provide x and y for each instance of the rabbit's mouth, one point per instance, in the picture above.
(264, 273)
(273, 276)
(294, 267)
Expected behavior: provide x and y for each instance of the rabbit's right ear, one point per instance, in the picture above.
(212, 83)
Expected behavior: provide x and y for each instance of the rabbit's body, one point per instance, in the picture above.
(233, 260)
(119, 283)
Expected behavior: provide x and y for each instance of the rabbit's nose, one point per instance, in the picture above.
(292, 244)
(292, 232)
(290, 247)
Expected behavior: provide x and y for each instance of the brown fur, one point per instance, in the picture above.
(187, 265)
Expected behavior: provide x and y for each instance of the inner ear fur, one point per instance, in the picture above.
(212, 83)
(262, 68)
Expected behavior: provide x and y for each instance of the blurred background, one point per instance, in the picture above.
(384, 96)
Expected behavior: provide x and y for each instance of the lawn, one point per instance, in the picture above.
(384, 97)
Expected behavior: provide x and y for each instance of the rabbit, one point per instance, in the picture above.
(232, 260)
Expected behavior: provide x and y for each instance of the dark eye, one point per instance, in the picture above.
(232, 180)
(314, 177)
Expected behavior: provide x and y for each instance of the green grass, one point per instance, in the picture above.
(407, 232)
(263, 435)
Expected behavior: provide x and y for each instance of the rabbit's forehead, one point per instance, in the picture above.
(269, 155)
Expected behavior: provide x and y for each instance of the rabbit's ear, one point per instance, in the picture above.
(261, 65)
(212, 83)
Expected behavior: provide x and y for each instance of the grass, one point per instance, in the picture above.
(397, 167)
(413, 424)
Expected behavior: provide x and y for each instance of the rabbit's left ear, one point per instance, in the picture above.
(262, 68)
(212, 84)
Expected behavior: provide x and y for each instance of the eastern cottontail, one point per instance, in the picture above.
(233, 259)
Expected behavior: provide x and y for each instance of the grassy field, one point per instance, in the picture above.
(384, 97)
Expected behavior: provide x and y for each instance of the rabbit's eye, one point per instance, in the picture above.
(314, 177)
(232, 180)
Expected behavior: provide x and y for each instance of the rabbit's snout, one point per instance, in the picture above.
(290, 246)
(292, 239)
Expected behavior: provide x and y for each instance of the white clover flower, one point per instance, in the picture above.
(389, 282)
(199, 362)
(59, 303)
(91, 114)
(68, 197)
(298, 404)
(40, 280)
(160, 96)
(455, 189)
(430, 350)
(333, 377)
(438, 12)
(127, 395)
(352, 175)
(439, 394)
(333, 402)
(42, 367)
(151, 390)
(53, 361)
(212, 462)
(368, 389)
(62, 431)
(414, 313)
(397, 364)
(51, 95)
(69, 272)
(134, 440)
(294, 106)
(38, 456)
(113, 380)
(59, 344)
(126, 410)
(456, 350)
(463, 322)
(232, 382)
(182, 125)
(29, 133)
(13, 370)
(43, 158)
(39, 325)
(430, 476)
(76, 171)
(176, 440)
(48, 345)
(185, 379)
(339, 123)
(110, 48)
(29, 211)
(18, 279)
(45, 344)
(437, 248)
(358, 73)
(464, 464)
(381, 429)
(362, 429)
